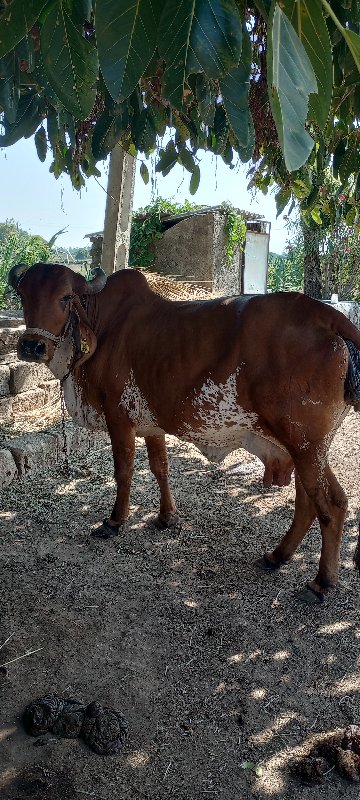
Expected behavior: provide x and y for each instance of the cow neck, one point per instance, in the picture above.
(89, 309)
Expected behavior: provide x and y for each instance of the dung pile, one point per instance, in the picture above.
(340, 751)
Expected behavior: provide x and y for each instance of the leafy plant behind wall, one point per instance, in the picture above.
(147, 227)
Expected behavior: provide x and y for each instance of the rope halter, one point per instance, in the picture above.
(48, 335)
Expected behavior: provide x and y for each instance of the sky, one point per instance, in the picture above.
(30, 195)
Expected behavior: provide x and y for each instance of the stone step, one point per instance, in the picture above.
(11, 319)
(20, 376)
(25, 376)
(4, 380)
(9, 336)
(33, 452)
(31, 403)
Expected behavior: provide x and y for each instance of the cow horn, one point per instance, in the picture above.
(16, 274)
(97, 283)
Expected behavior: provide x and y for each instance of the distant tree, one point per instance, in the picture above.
(81, 253)
(17, 246)
(337, 270)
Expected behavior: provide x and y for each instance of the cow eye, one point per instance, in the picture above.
(66, 298)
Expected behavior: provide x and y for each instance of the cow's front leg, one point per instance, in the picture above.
(159, 466)
(123, 447)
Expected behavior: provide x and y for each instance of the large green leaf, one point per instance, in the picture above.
(28, 118)
(168, 159)
(16, 21)
(234, 88)
(126, 35)
(70, 61)
(198, 36)
(9, 87)
(353, 43)
(293, 79)
(352, 39)
(107, 132)
(307, 19)
(245, 153)
(144, 130)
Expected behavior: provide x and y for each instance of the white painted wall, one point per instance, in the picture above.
(256, 262)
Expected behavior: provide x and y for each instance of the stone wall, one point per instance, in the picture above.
(25, 389)
(194, 249)
(23, 386)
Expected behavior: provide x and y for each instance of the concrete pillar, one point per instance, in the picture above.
(117, 225)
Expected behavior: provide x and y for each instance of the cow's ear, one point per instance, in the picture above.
(15, 275)
(88, 340)
(88, 343)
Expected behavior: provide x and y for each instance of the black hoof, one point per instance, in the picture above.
(266, 565)
(105, 531)
(172, 522)
(310, 596)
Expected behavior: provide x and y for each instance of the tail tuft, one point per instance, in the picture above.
(357, 554)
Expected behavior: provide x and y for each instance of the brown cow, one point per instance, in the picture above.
(266, 373)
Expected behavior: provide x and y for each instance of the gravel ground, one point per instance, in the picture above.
(223, 675)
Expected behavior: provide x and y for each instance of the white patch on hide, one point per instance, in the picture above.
(81, 412)
(222, 420)
(63, 356)
(226, 426)
(137, 409)
(217, 407)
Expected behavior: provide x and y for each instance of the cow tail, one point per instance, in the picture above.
(357, 553)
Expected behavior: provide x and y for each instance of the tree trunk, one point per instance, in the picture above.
(312, 269)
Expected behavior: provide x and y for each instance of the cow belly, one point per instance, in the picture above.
(216, 444)
(82, 412)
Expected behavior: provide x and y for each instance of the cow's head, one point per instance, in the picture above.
(50, 296)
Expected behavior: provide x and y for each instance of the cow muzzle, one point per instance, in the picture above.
(32, 350)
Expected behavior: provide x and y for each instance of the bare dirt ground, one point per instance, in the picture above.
(223, 675)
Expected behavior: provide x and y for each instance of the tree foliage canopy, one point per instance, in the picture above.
(275, 84)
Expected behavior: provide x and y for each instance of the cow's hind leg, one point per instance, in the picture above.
(330, 504)
(318, 494)
(304, 515)
(330, 501)
(159, 466)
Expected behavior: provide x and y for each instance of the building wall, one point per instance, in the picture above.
(186, 250)
(196, 249)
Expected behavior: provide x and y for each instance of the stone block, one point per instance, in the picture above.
(8, 469)
(9, 337)
(6, 410)
(11, 319)
(4, 380)
(28, 401)
(9, 358)
(52, 390)
(35, 451)
(25, 376)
